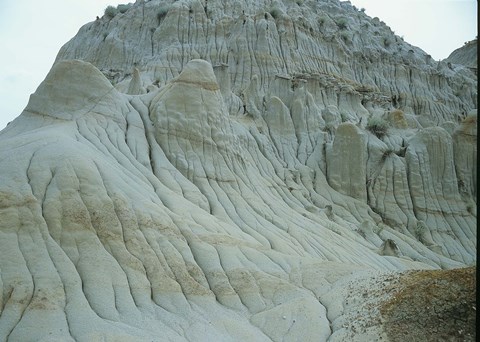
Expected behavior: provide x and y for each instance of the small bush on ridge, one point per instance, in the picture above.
(377, 126)
(342, 23)
(123, 8)
(110, 12)
(162, 12)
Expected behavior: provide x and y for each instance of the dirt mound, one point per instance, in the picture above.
(433, 306)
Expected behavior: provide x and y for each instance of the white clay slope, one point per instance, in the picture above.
(199, 201)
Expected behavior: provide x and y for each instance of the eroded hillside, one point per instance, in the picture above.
(215, 170)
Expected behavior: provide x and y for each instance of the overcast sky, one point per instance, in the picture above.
(33, 31)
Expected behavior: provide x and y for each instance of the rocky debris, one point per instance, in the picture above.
(209, 170)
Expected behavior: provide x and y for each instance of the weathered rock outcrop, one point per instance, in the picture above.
(466, 55)
(211, 170)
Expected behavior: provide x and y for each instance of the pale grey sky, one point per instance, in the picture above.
(436, 26)
(33, 31)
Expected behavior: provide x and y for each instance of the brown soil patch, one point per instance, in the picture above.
(470, 120)
(433, 306)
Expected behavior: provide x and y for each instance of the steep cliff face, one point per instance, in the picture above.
(211, 170)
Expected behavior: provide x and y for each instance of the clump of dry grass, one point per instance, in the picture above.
(397, 118)
(377, 126)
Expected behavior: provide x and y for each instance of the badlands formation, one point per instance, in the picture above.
(240, 171)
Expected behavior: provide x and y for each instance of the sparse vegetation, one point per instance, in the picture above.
(123, 8)
(162, 12)
(471, 206)
(471, 41)
(387, 41)
(342, 23)
(420, 229)
(397, 117)
(275, 12)
(110, 12)
(346, 37)
(386, 153)
(322, 20)
(378, 126)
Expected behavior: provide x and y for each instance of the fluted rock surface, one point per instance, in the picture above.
(466, 55)
(211, 170)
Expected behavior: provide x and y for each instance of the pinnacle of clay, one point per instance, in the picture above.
(198, 72)
(135, 85)
(77, 87)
